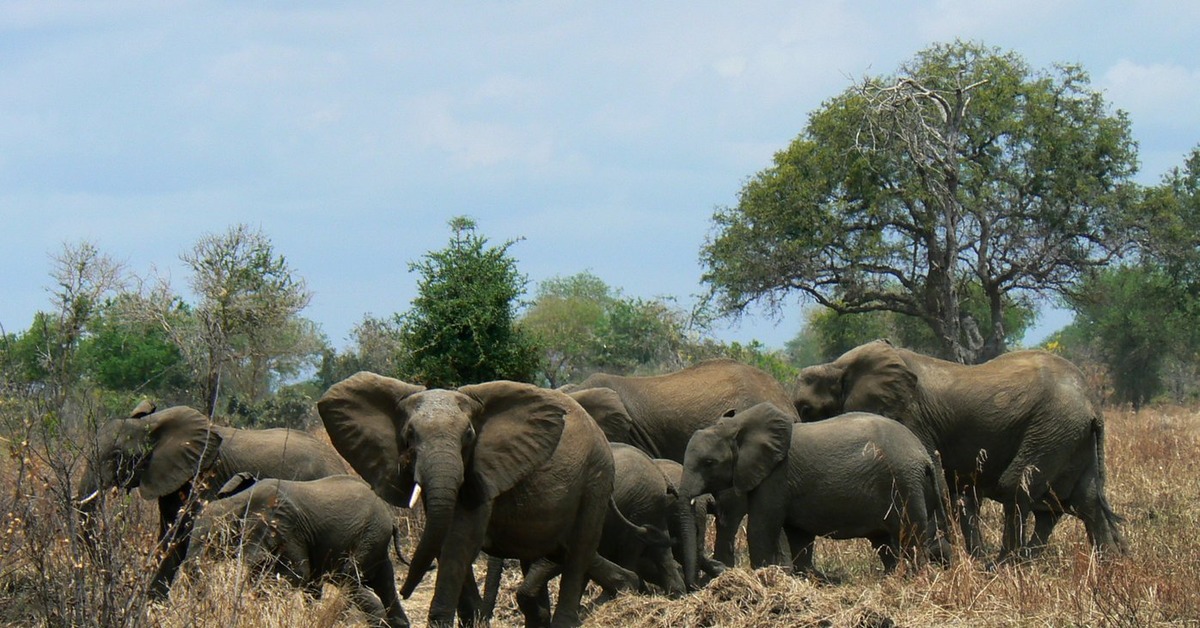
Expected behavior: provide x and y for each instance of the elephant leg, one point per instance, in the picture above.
(887, 548)
(175, 530)
(801, 546)
(470, 604)
(533, 596)
(376, 596)
(731, 509)
(663, 571)
(579, 557)
(1044, 521)
(1016, 512)
(462, 544)
(491, 587)
(967, 507)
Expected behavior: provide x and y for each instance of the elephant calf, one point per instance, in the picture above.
(855, 476)
(305, 531)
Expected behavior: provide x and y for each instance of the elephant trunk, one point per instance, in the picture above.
(87, 498)
(440, 479)
(688, 543)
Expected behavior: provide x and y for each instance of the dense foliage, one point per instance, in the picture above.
(462, 325)
(965, 172)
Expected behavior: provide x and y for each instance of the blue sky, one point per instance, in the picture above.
(604, 134)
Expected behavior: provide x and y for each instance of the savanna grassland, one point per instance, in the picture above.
(50, 578)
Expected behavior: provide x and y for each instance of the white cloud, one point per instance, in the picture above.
(473, 144)
(1158, 95)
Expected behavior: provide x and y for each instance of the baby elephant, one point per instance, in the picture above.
(335, 526)
(855, 476)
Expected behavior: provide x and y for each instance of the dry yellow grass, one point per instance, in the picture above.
(1153, 481)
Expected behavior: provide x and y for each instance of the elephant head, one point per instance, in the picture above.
(454, 448)
(870, 378)
(738, 452)
(154, 452)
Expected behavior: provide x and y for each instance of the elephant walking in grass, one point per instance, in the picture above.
(660, 413)
(1022, 429)
(511, 469)
(178, 457)
(334, 527)
(855, 476)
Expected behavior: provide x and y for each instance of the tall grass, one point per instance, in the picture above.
(49, 578)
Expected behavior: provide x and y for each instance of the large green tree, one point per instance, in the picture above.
(964, 171)
(462, 328)
(1145, 314)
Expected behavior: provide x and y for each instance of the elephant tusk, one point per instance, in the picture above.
(416, 494)
(89, 498)
(692, 502)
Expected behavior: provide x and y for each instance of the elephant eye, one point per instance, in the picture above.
(408, 435)
(468, 437)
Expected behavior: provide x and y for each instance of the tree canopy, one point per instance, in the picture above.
(461, 327)
(583, 325)
(966, 171)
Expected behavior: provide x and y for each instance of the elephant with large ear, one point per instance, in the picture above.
(180, 458)
(855, 476)
(515, 470)
(334, 527)
(1022, 429)
(662, 412)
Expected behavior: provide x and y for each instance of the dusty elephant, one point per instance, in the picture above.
(1021, 429)
(180, 458)
(334, 527)
(515, 470)
(854, 476)
(662, 412)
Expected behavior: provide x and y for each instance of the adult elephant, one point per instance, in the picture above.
(515, 470)
(334, 528)
(180, 458)
(854, 476)
(663, 412)
(1021, 429)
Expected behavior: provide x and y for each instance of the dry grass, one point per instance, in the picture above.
(1154, 481)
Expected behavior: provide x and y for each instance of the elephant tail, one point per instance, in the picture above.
(1114, 520)
(648, 534)
(937, 496)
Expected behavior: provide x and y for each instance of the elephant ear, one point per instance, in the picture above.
(145, 408)
(605, 407)
(518, 427)
(763, 436)
(236, 484)
(363, 418)
(876, 379)
(182, 445)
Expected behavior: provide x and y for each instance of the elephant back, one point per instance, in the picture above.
(665, 410)
(275, 453)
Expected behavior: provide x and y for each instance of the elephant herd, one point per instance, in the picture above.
(612, 480)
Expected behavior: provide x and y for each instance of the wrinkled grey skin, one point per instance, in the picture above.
(334, 527)
(690, 528)
(662, 412)
(854, 476)
(1022, 429)
(643, 496)
(510, 469)
(179, 458)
